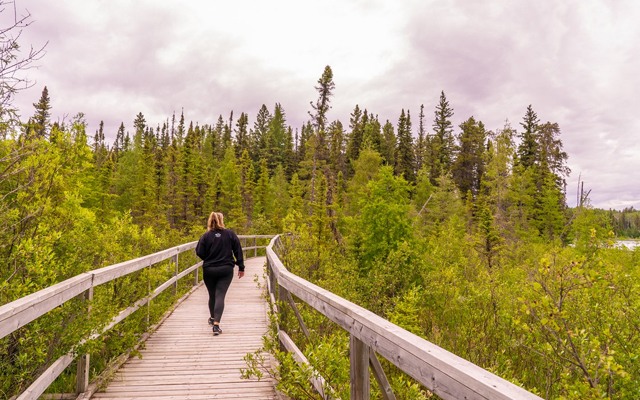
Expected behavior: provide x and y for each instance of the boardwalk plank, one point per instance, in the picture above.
(183, 360)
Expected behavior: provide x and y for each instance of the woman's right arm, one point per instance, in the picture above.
(200, 248)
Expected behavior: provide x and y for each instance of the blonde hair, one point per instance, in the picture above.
(216, 221)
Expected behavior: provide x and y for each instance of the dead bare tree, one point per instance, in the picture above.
(13, 62)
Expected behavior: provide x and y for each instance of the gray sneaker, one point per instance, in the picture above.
(216, 330)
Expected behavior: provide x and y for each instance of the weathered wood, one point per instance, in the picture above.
(359, 372)
(20, 312)
(182, 358)
(175, 260)
(381, 377)
(82, 373)
(293, 305)
(48, 376)
(444, 373)
(317, 381)
(120, 360)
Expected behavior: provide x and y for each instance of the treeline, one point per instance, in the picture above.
(458, 234)
(626, 223)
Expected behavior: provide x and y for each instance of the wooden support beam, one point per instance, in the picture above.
(359, 360)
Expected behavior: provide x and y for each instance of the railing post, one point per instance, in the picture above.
(359, 359)
(175, 273)
(255, 246)
(82, 374)
(195, 277)
(148, 320)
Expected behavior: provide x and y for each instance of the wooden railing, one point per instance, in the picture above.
(19, 313)
(442, 372)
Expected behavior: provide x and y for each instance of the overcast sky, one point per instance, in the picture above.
(576, 62)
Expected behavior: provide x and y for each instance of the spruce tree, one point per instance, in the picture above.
(354, 141)
(242, 134)
(528, 147)
(323, 103)
(469, 164)
(405, 159)
(421, 143)
(41, 117)
(372, 135)
(337, 157)
(276, 138)
(259, 134)
(442, 143)
(389, 143)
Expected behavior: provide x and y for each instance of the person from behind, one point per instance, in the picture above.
(220, 249)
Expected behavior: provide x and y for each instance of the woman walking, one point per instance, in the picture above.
(219, 248)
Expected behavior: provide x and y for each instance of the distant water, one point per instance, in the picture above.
(630, 244)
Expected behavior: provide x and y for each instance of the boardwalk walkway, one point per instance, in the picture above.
(183, 360)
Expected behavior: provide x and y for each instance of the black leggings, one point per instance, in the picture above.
(217, 280)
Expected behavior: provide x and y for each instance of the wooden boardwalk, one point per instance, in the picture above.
(183, 360)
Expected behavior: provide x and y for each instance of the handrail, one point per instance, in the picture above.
(442, 372)
(20, 312)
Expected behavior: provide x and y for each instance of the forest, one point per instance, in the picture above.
(459, 234)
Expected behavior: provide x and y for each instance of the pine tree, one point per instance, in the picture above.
(276, 138)
(259, 134)
(469, 164)
(372, 135)
(99, 146)
(261, 194)
(227, 188)
(405, 159)
(337, 156)
(119, 145)
(528, 148)
(442, 143)
(41, 117)
(389, 143)
(242, 135)
(247, 173)
(356, 136)
(323, 103)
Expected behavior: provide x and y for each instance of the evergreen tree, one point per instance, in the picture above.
(421, 143)
(372, 135)
(261, 195)
(337, 156)
(528, 147)
(242, 135)
(259, 134)
(247, 173)
(405, 159)
(227, 188)
(220, 139)
(42, 115)
(442, 143)
(279, 192)
(356, 136)
(469, 164)
(118, 144)
(276, 138)
(323, 103)
(389, 143)
(99, 146)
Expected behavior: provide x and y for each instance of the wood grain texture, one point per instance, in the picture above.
(183, 360)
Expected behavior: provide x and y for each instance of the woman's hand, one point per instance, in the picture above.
(240, 274)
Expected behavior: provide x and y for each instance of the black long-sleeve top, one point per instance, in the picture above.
(220, 247)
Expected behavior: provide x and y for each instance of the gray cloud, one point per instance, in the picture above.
(575, 62)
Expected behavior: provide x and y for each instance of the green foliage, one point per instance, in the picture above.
(467, 243)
